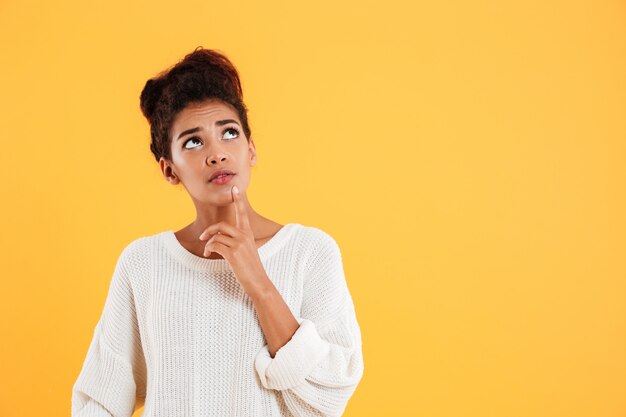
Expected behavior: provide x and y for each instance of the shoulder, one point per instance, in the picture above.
(315, 236)
(137, 251)
(319, 246)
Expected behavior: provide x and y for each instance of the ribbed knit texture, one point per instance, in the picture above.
(179, 333)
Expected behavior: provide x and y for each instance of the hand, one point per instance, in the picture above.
(236, 244)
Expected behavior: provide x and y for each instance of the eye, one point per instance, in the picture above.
(198, 139)
(233, 129)
(189, 140)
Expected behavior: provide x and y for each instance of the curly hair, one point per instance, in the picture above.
(201, 75)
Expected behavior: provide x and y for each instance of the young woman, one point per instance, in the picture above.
(234, 314)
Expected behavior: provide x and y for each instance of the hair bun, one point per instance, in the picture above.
(150, 96)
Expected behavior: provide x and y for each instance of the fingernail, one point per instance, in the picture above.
(235, 189)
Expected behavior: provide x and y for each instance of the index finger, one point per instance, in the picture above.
(241, 215)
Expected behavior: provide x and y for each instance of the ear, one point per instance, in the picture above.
(252, 152)
(168, 171)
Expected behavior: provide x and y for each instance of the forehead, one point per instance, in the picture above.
(202, 113)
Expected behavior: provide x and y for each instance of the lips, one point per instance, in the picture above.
(221, 172)
(222, 179)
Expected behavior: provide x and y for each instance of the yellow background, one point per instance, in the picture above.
(468, 157)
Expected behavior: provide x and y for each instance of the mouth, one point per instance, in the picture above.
(222, 179)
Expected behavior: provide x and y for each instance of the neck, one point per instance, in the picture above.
(206, 218)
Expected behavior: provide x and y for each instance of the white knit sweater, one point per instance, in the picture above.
(179, 334)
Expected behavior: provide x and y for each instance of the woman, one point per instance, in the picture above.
(234, 314)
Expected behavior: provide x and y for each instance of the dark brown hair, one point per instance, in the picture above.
(201, 75)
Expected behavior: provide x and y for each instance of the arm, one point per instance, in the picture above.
(112, 380)
(276, 319)
(318, 369)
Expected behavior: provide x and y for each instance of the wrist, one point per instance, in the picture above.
(261, 289)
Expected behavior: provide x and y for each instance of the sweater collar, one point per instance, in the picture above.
(171, 243)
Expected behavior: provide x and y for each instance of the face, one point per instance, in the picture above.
(206, 137)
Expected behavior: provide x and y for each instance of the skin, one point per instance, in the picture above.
(226, 226)
(215, 148)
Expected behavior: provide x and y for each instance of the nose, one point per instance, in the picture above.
(215, 153)
(212, 160)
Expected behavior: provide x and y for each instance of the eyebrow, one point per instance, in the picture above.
(196, 129)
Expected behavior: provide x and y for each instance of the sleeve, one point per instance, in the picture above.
(112, 382)
(319, 368)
